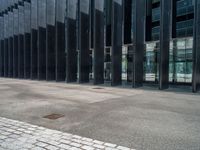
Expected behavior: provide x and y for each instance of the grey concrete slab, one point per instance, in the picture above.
(141, 118)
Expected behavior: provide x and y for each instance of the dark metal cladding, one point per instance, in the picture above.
(98, 41)
(15, 43)
(138, 41)
(108, 20)
(10, 44)
(122, 42)
(174, 13)
(21, 42)
(27, 40)
(116, 67)
(5, 44)
(71, 41)
(148, 19)
(60, 40)
(128, 20)
(34, 16)
(92, 24)
(34, 39)
(164, 44)
(1, 45)
(42, 39)
(84, 27)
(50, 47)
(196, 48)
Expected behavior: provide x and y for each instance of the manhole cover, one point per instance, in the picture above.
(98, 88)
(53, 116)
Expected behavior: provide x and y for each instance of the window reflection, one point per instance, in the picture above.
(151, 65)
(180, 68)
(180, 61)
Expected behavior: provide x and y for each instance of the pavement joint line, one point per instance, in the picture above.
(20, 135)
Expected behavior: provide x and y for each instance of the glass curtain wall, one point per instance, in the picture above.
(184, 18)
(151, 62)
(181, 60)
(155, 20)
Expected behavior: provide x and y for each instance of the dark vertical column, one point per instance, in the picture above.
(138, 41)
(92, 7)
(10, 72)
(84, 53)
(174, 9)
(42, 39)
(27, 40)
(6, 44)
(165, 26)
(1, 45)
(21, 42)
(108, 14)
(148, 20)
(98, 41)
(71, 41)
(50, 49)
(116, 67)
(60, 40)
(15, 42)
(34, 39)
(127, 15)
(196, 48)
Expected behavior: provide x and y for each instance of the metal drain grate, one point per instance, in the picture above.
(53, 116)
(98, 88)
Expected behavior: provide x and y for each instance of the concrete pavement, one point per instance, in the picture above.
(145, 119)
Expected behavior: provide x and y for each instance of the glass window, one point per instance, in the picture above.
(151, 66)
(181, 61)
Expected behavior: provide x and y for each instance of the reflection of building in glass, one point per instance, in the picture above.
(181, 44)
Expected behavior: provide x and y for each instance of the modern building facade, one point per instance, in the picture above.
(117, 42)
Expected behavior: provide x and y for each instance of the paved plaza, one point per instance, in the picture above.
(142, 119)
(16, 135)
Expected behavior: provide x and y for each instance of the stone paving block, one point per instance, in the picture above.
(50, 147)
(98, 146)
(75, 144)
(98, 142)
(2, 137)
(18, 135)
(65, 141)
(40, 144)
(110, 145)
(64, 146)
(123, 148)
(87, 147)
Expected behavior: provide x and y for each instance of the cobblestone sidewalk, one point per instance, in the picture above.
(16, 135)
